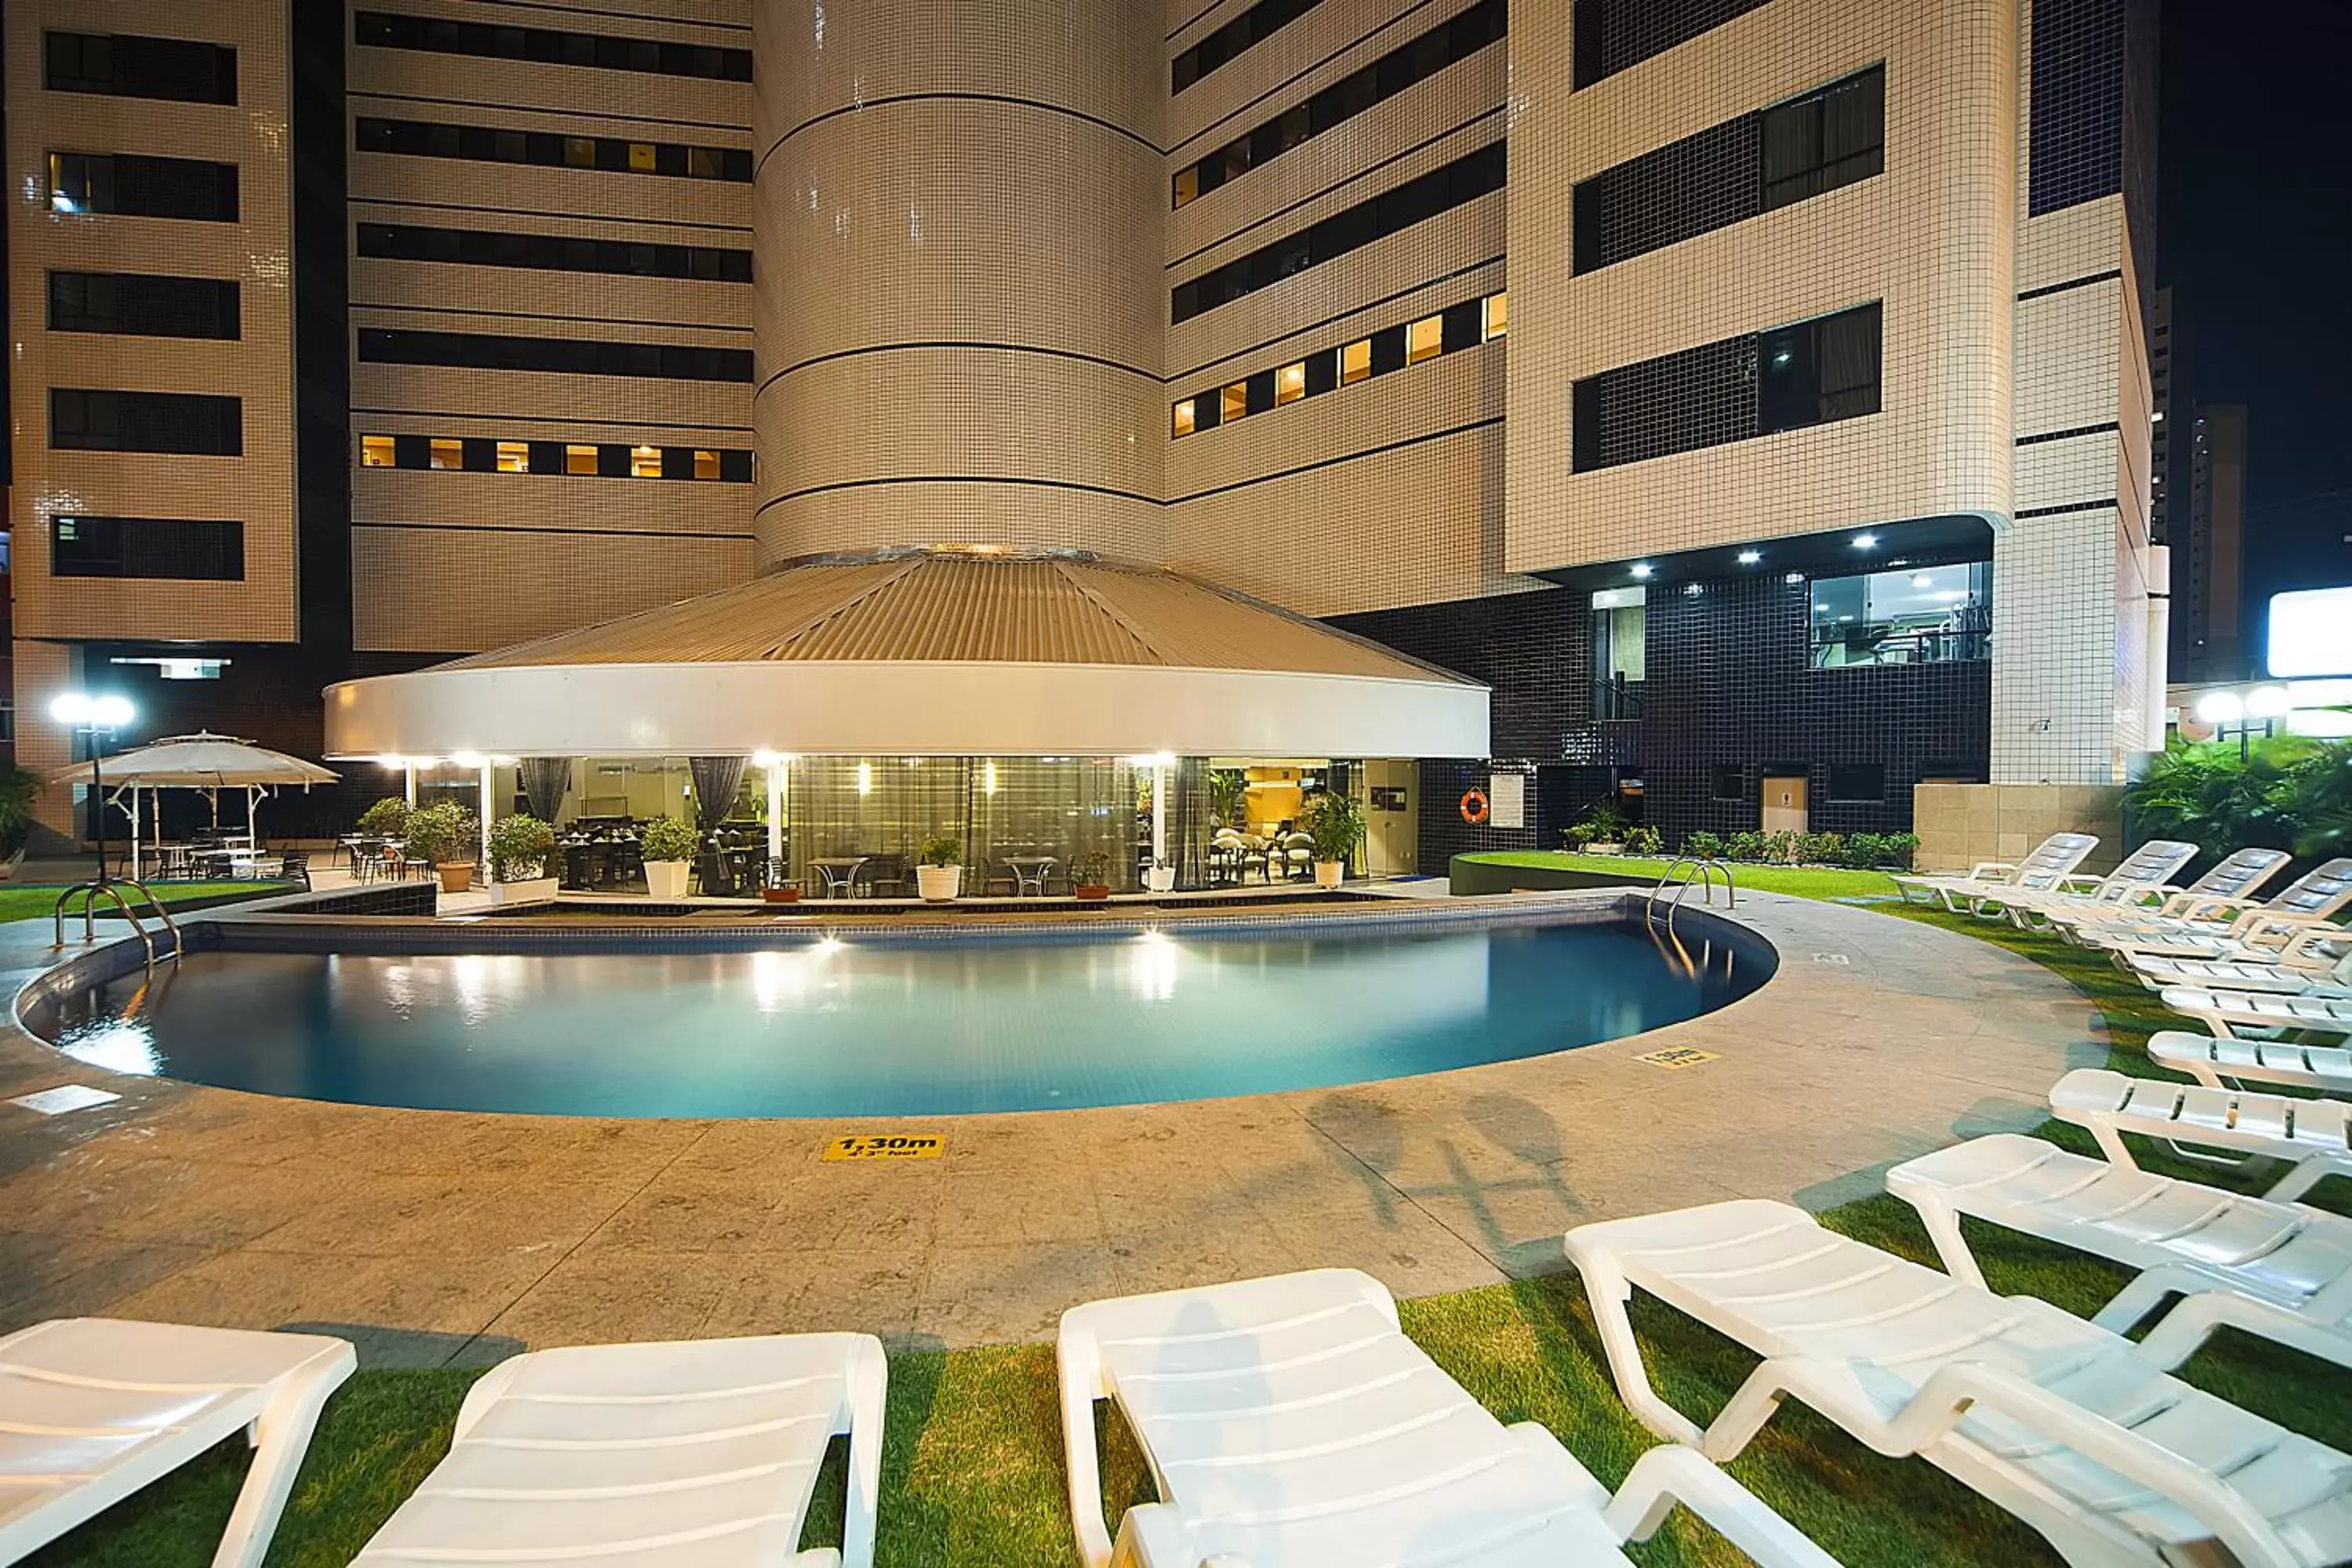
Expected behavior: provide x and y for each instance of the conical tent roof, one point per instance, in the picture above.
(198, 762)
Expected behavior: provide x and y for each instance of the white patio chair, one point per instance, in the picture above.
(2189, 926)
(2310, 1135)
(2064, 1424)
(2146, 873)
(2281, 1270)
(2230, 1012)
(2239, 875)
(92, 1409)
(2219, 1061)
(703, 1452)
(2046, 868)
(1289, 1424)
(2316, 959)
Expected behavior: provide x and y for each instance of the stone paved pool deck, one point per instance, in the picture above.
(434, 1238)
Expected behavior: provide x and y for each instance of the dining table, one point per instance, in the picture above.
(839, 871)
(1030, 871)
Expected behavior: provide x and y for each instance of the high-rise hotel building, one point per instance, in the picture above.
(1753, 395)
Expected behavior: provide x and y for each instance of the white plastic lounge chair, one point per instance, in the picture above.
(2239, 875)
(2317, 959)
(92, 1409)
(2064, 1424)
(2257, 931)
(2218, 1061)
(2228, 1012)
(2145, 874)
(701, 1452)
(2309, 1134)
(2282, 1271)
(2046, 868)
(1290, 1425)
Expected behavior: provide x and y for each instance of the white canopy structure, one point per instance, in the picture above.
(205, 763)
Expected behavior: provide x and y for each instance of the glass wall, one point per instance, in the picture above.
(1620, 651)
(1927, 614)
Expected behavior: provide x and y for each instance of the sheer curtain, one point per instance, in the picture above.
(717, 782)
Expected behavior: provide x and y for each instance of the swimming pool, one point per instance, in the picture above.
(884, 1025)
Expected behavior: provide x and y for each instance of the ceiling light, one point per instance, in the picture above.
(1921, 580)
(1691, 590)
(1643, 570)
(1866, 541)
(1794, 577)
(1750, 557)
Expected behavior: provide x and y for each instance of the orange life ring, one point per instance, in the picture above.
(1473, 808)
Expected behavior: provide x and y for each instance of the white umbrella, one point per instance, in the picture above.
(202, 762)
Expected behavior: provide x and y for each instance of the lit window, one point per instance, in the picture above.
(644, 462)
(1354, 361)
(580, 459)
(514, 457)
(1184, 418)
(375, 452)
(1188, 185)
(1425, 339)
(1233, 402)
(1498, 317)
(641, 156)
(705, 465)
(580, 152)
(1290, 383)
(448, 454)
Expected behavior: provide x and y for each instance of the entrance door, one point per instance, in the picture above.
(1784, 802)
(1392, 826)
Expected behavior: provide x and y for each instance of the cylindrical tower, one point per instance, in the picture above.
(960, 307)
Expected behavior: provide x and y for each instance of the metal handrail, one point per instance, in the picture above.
(110, 888)
(1706, 867)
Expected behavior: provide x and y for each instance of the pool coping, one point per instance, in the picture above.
(434, 1236)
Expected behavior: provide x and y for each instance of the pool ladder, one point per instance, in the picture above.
(1707, 870)
(111, 888)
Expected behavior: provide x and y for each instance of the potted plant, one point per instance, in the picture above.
(444, 836)
(1091, 879)
(1643, 840)
(387, 818)
(1608, 826)
(668, 845)
(1228, 787)
(938, 874)
(1336, 827)
(519, 845)
(1161, 877)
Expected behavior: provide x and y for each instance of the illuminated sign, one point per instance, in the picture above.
(2311, 633)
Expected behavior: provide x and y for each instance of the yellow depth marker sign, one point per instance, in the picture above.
(1675, 1057)
(886, 1146)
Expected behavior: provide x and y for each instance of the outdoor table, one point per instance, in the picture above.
(839, 871)
(1030, 871)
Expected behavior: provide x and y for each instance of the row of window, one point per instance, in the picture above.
(1732, 171)
(82, 419)
(561, 356)
(1442, 189)
(555, 252)
(482, 456)
(545, 149)
(1254, 25)
(125, 65)
(601, 51)
(1809, 373)
(143, 304)
(1611, 34)
(173, 548)
(135, 184)
(1462, 326)
(1400, 68)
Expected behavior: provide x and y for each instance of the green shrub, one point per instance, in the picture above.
(1093, 869)
(17, 789)
(1607, 822)
(1703, 844)
(519, 845)
(1821, 848)
(1780, 848)
(1336, 824)
(1643, 841)
(943, 850)
(387, 818)
(1745, 846)
(1901, 848)
(665, 838)
(1864, 850)
(443, 835)
(1576, 837)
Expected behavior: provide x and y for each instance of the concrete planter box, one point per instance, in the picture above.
(536, 890)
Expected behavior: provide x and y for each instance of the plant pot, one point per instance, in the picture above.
(1604, 849)
(666, 880)
(1091, 892)
(938, 884)
(1160, 879)
(1330, 873)
(457, 876)
(534, 891)
(781, 895)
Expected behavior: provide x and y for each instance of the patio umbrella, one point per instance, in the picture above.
(202, 762)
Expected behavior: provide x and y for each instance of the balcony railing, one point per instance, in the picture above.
(1616, 698)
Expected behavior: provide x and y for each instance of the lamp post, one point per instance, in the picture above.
(82, 714)
(2260, 709)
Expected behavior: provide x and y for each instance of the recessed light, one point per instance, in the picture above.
(1641, 571)
(1921, 580)
(1794, 577)
(1691, 590)
(1866, 541)
(1750, 557)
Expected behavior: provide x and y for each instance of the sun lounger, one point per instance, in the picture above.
(2145, 874)
(2281, 1270)
(2064, 1424)
(2191, 928)
(2309, 1134)
(2238, 875)
(702, 1452)
(2046, 868)
(92, 1409)
(1290, 1425)
(2211, 1060)
(2316, 959)
(2229, 1012)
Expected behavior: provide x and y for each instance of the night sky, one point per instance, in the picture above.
(2254, 233)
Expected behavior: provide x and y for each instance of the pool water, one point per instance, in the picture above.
(876, 1028)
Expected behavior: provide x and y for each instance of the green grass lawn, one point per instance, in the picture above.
(972, 1470)
(23, 903)
(1804, 881)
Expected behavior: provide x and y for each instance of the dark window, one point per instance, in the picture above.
(1808, 373)
(146, 547)
(1732, 171)
(1858, 781)
(561, 356)
(133, 185)
(554, 253)
(83, 420)
(1321, 371)
(391, 31)
(125, 65)
(1400, 68)
(2075, 151)
(482, 144)
(1464, 180)
(143, 304)
(1254, 25)
(1728, 781)
(1611, 34)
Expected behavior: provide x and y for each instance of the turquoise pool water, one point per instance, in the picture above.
(878, 1027)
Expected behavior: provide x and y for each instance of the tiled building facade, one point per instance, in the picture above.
(1744, 389)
